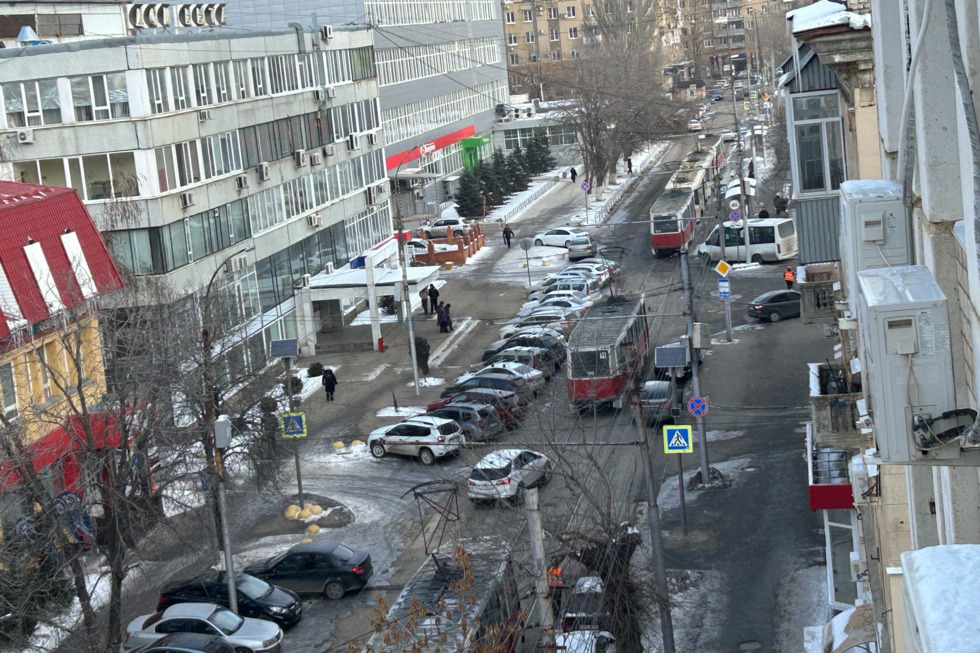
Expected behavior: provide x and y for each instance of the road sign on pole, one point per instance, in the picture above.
(293, 425)
(697, 406)
(724, 288)
(585, 186)
(735, 216)
(677, 439)
(723, 268)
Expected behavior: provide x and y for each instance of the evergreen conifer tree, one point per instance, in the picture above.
(517, 177)
(469, 197)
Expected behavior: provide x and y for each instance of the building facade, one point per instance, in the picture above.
(441, 72)
(54, 267)
(539, 36)
(258, 152)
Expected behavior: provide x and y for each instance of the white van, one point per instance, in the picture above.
(772, 239)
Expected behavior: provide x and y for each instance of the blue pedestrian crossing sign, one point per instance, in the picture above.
(293, 425)
(677, 439)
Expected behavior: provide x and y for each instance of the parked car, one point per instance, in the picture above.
(542, 360)
(539, 341)
(567, 283)
(551, 319)
(418, 245)
(506, 403)
(504, 474)
(585, 608)
(775, 305)
(693, 125)
(514, 384)
(426, 438)
(255, 635)
(717, 97)
(611, 266)
(479, 422)
(580, 247)
(445, 227)
(561, 237)
(577, 272)
(601, 272)
(189, 643)
(656, 399)
(532, 377)
(586, 641)
(326, 568)
(256, 598)
(541, 331)
(554, 302)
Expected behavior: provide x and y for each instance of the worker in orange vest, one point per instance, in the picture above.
(789, 278)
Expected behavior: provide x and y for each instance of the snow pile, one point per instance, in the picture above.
(944, 584)
(669, 498)
(427, 382)
(402, 411)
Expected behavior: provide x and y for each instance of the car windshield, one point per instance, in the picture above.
(654, 393)
(342, 553)
(226, 621)
(252, 587)
(490, 473)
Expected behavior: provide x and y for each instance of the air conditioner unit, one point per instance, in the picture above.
(313, 221)
(326, 32)
(318, 94)
(263, 171)
(329, 268)
(874, 230)
(186, 200)
(316, 158)
(241, 182)
(328, 150)
(301, 158)
(25, 136)
(353, 143)
(236, 264)
(204, 114)
(373, 138)
(907, 365)
(331, 92)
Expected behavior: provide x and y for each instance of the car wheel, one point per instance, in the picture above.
(458, 234)
(518, 498)
(428, 234)
(242, 649)
(378, 450)
(774, 316)
(427, 457)
(545, 477)
(567, 243)
(539, 242)
(757, 258)
(334, 590)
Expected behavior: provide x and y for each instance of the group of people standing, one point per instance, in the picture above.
(432, 305)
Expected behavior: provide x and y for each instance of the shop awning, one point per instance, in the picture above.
(62, 441)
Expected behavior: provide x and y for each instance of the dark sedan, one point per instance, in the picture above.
(189, 643)
(506, 403)
(775, 305)
(324, 568)
(256, 598)
(656, 399)
(542, 341)
(514, 384)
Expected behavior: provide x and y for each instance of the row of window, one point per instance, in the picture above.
(514, 59)
(555, 135)
(553, 14)
(397, 65)
(87, 98)
(555, 35)
(95, 177)
(412, 12)
(181, 164)
(414, 118)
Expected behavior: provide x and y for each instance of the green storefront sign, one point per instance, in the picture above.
(471, 149)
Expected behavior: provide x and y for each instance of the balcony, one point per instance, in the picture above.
(833, 408)
(818, 284)
(829, 484)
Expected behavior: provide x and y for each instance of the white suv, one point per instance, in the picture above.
(426, 438)
(446, 227)
(504, 475)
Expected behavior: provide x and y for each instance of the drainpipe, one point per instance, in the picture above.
(299, 37)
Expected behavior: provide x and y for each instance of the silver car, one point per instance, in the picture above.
(255, 635)
(427, 438)
(504, 474)
(580, 247)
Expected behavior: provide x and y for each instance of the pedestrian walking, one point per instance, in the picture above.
(508, 235)
(763, 214)
(329, 381)
(424, 296)
(441, 317)
(449, 318)
(573, 174)
(629, 166)
(433, 297)
(751, 169)
(789, 278)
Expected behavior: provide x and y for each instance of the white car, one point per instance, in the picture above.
(612, 267)
(541, 331)
(504, 474)
(558, 302)
(445, 227)
(581, 273)
(532, 377)
(243, 633)
(588, 287)
(560, 237)
(693, 125)
(550, 320)
(600, 271)
(423, 437)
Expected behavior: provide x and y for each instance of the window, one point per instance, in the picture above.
(100, 97)
(156, 85)
(528, 16)
(555, 35)
(242, 78)
(222, 89)
(533, 57)
(515, 59)
(509, 17)
(259, 80)
(512, 39)
(202, 84)
(8, 390)
(570, 11)
(32, 103)
(556, 55)
(819, 145)
(574, 54)
(573, 33)
(590, 11)
(43, 372)
(529, 37)
(553, 13)
(178, 86)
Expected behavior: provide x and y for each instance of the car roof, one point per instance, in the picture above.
(650, 386)
(493, 375)
(313, 547)
(769, 295)
(526, 351)
(426, 420)
(473, 407)
(485, 391)
(498, 458)
(200, 610)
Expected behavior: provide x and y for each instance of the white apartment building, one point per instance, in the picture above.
(258, 151)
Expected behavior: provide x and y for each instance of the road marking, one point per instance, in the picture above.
(447, 347)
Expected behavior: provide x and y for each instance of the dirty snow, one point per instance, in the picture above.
(427, 382)
(669, 498)
(723, 435)
(401, 411)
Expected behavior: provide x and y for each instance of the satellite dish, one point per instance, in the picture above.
(27, 35)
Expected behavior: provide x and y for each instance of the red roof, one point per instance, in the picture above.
(44, 214)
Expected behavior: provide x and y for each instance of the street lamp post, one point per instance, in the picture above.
(403, 264)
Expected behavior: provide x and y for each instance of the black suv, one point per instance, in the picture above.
(256, 598)
(542, 341)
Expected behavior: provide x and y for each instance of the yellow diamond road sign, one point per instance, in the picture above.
(723, 268)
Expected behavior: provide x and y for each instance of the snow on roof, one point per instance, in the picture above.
(944, 590)
(814, 11)
(855, 21)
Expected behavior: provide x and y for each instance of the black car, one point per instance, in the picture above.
(716, 98)
(543, 341)
(775, 305)
(324, 568)
(188, 643)
(256, 598)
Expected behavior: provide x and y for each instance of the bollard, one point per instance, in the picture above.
(381, 344)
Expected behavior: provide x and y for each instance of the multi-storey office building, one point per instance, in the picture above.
(441, 72)
(259, 151)
(539, 34)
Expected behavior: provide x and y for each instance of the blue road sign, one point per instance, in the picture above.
(677, 439)
(724, 288)
(293, 425)
(697, 406)
(734, 216)
(585, 186)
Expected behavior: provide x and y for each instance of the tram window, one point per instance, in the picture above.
(589, 363)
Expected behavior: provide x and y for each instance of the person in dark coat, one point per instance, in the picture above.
(763, 214)
(508, 235)
(433, 297)
(449, 318)
(329, 383)
(629, 166)
(573, 174)
(441, 317)
(424, 295)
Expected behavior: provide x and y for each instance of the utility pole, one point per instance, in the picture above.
(693, 353)
(653, 519)
(537, 48)
(289, 404)
(546, 616)
(222, 438)
(403, 264)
